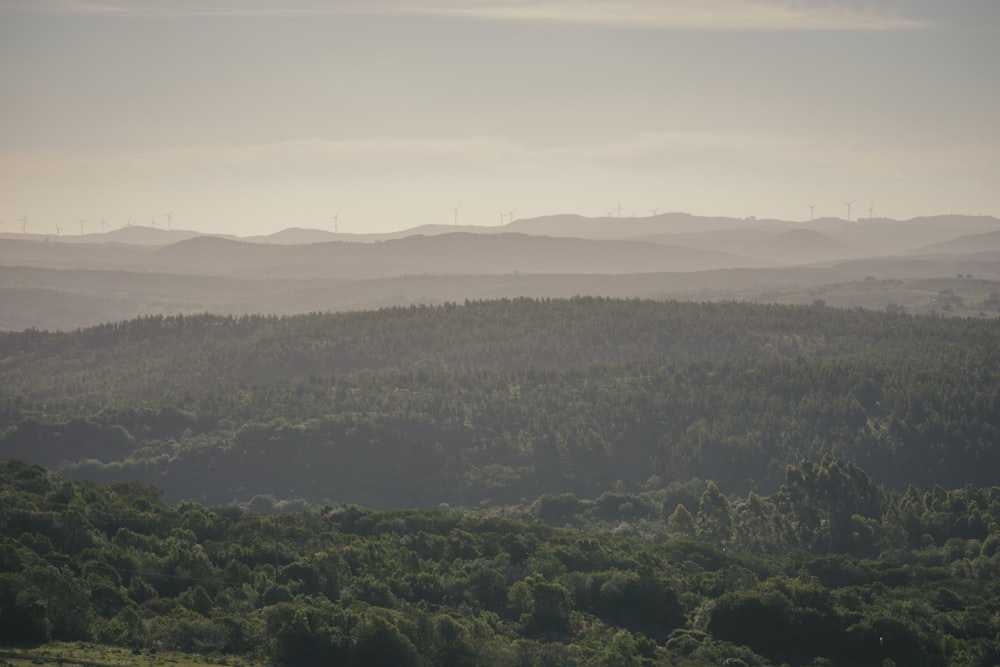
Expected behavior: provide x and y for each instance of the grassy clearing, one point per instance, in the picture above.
(69, 654)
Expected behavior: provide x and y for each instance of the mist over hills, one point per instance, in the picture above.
(794, 246)
(967, 244)
(69, 281)
(443, 254)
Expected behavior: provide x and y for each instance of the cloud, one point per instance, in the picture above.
(708, 15)
(714, 15)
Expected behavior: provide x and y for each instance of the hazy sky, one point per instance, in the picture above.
(249, 116)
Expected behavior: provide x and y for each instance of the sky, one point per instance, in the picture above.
(250, 116)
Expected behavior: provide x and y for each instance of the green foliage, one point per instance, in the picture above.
(652, 484)
(355, 586)
(503, 401)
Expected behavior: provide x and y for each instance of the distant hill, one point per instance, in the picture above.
(441, 254)
(129, 235)
(970, 243)
(70, 281)
(299, 236)
(882, 236)
(61, 254)
(619, 227)
(447, 253)
(875, 236)
(136, 235)
(805, 246)
(65, 299)
(792, 247)
(295, 236)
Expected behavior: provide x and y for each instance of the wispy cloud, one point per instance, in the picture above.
(725, 15)
(708, 15)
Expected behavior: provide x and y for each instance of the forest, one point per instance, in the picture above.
(499, 402)
(830, 569)
(581, 481)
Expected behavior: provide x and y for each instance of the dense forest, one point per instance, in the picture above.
(517, 482)
(830, 569)
(496, 403)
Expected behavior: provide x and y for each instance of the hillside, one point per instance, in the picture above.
(492, 402)
(442, 254)
(970, 243)
(797, 246)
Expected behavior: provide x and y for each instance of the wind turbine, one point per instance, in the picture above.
(510, 214)
(455, 211)
(154, 221)
(24, 223)
(102, 225)
(871, 210)
(82, 220)
(170, 219)
(812, 211)
(336, 222)
(848, 205)
(129, 223)
(500, 211)
(654, 211)
(58, 230)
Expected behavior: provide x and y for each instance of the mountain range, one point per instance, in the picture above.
(63, 282)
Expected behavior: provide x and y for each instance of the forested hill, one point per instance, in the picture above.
(150, 358)
(499, 402)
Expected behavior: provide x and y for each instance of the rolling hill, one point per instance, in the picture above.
(140, 270)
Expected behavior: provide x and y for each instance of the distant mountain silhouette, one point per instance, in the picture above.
(618, 228)
(299, 236)
(138, 235)
(860, 238)
(295, 236)
(69, 281)
(60, 254)
(793, 247)
(441, 254)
